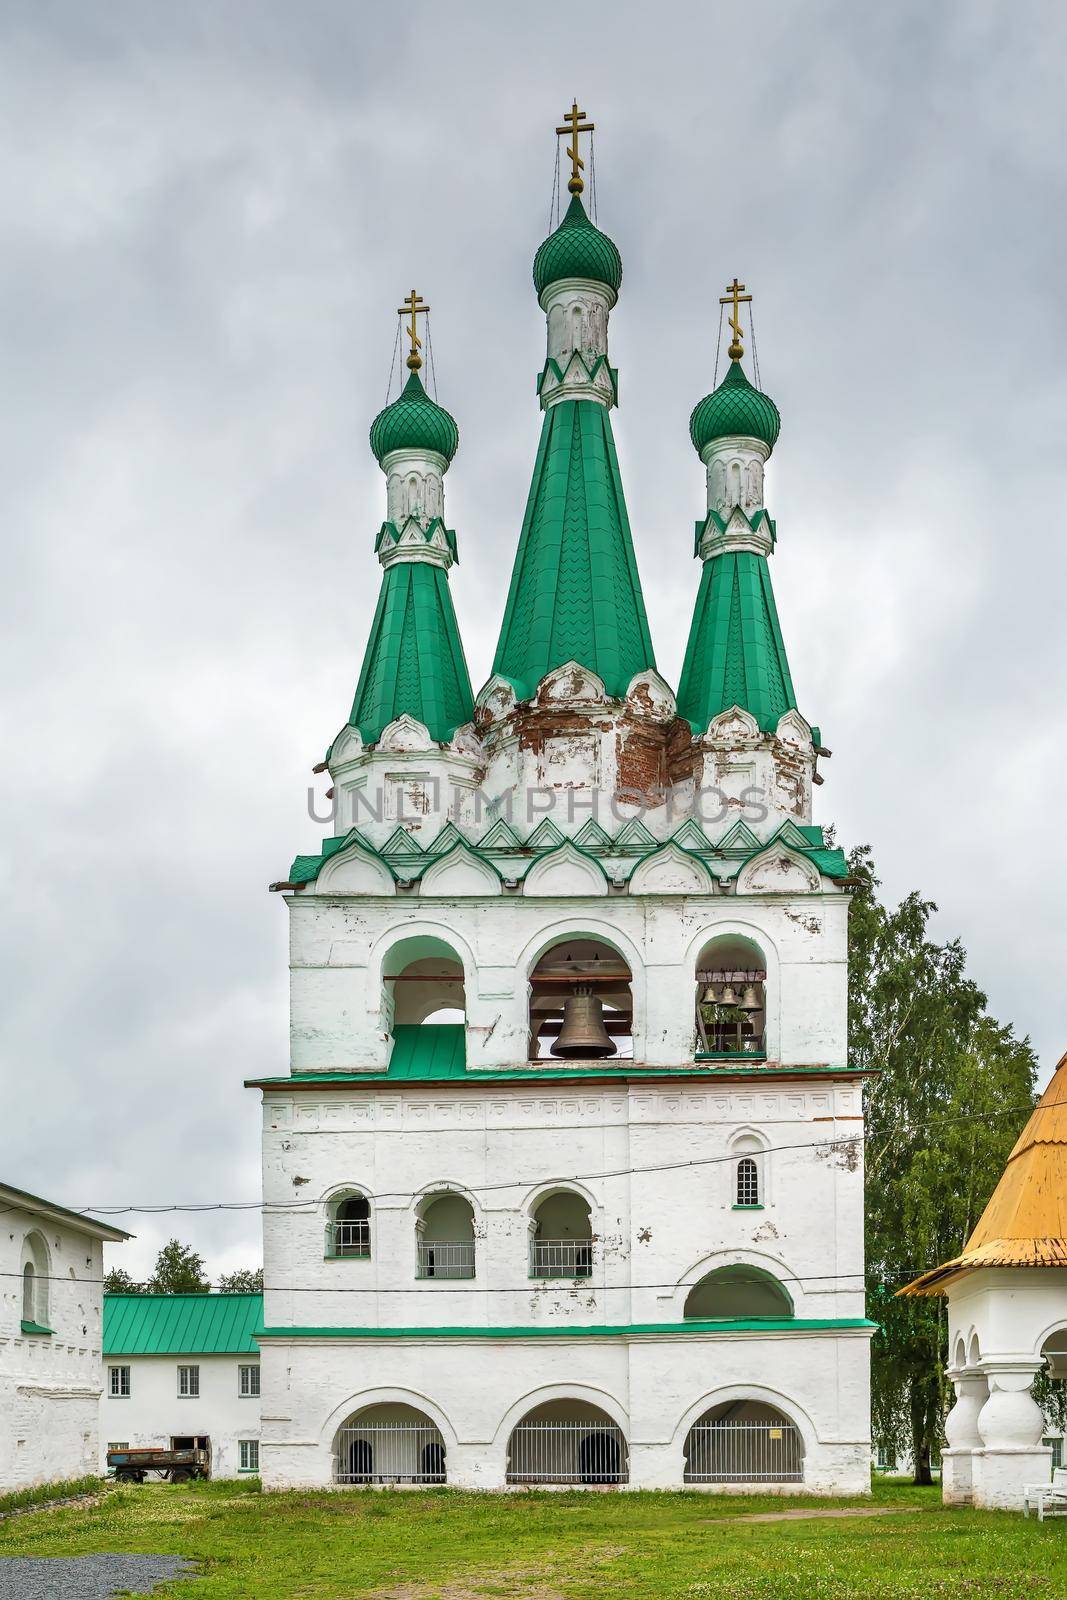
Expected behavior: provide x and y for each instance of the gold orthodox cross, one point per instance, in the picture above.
(413, 307)
(574, 124)
(735, 296)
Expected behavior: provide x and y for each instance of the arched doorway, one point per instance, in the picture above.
(567, 1442)
(391, 1443)
(744, 1441)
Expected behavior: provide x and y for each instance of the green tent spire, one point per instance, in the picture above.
(736, 654)
(414, 662)
(575, 594)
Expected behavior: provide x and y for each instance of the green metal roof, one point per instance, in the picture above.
(610, 1331)
(414, 422)
(577, 249)
(575, 594)
(181, 1324)
(734, 408)
(414, 661)
(736, 653)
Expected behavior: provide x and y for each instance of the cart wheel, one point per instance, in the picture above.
(129, 1475)
(180, 1475)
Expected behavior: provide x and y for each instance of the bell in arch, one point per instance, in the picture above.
(729, 995)
(750, 1000)
(583, 1033)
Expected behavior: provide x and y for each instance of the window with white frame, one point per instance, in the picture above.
(747, 1182)
(248, 1382)
(188, 1383)
(118, 1383)
(248, 1455)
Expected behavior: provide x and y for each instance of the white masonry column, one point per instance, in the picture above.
(961, 1431)
(1011, 1426)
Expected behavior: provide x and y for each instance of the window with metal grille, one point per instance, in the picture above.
(747, 1182)
(119, 1382)
(248, 1382)
(248, 1455)
(188, 1383)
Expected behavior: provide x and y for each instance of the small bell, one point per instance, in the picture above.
(728, 996)
(750, 1000)
(710, 996)
(583, 1034)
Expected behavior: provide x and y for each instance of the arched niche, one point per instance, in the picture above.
(423, 983)
(731, 996)
(390, 1443)
(744, 1441)
(561, 1235)
(567, 1442)
(445, 1242)
(738, 1293)
(581, 968)
(34, 1286)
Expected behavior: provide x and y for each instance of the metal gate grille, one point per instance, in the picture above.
(567, 1452)
(744, 1452)
(446, 1258)
(561, 1258)
(390, 1452)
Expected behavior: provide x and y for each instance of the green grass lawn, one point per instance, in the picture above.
(447, 1545)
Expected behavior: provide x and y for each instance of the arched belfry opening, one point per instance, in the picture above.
(581, 1003)
(561, 1236)
(423, 984)
(731, 998)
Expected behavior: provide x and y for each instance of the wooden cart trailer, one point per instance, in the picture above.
(176, 1466)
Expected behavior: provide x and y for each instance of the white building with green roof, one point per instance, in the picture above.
(565, 1184)
(181, 1371)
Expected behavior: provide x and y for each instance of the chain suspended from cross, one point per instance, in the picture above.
(413, 307)
(736, 297)
(574, 123)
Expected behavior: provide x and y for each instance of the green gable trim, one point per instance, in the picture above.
(736, 654)
(575, 594)
(414, 661)
(181, 1324)
(756, 1325)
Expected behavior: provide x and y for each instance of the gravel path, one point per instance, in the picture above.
(84, 1577)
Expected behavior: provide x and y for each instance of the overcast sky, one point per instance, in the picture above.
(209, 213)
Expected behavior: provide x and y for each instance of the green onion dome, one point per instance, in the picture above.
(734, 408)
(414, 422)
(577, 250)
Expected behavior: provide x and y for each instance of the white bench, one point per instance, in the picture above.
(1048, 1499)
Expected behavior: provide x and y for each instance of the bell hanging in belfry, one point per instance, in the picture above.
(728, 996)
(583, 1034)
(750, 1000)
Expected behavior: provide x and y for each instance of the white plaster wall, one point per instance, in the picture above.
(654, 1388)
(1010, 1311)
(50, 1384)
(505, 1145)
(154, 1412)
(338, 946)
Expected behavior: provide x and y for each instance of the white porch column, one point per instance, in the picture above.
(961, 1431)
(1010, 1425)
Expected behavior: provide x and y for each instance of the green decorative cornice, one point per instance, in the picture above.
(735, 408)
(577, 249)
(414, 662)
(414, 422)
(575, 594)
(391, 533)
(630, 1330)
(761, 523)
(736, 654)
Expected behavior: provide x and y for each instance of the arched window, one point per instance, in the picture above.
(391, 1443)
(581, 1003)
(748, 1190)
(731, 998)
(744, 1441)
(561, 1237)
(348, 1231)
(35, 1282)
(738, 1293)
(423, 984)
(567, 1441)
(445, 1227)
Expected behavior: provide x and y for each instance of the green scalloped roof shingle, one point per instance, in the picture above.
(414, 661)
(736, 654)
(577, 249)
(735, 408)
(575, 594)
(414, 422)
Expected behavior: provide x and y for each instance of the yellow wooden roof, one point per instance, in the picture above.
(1025, 1222)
